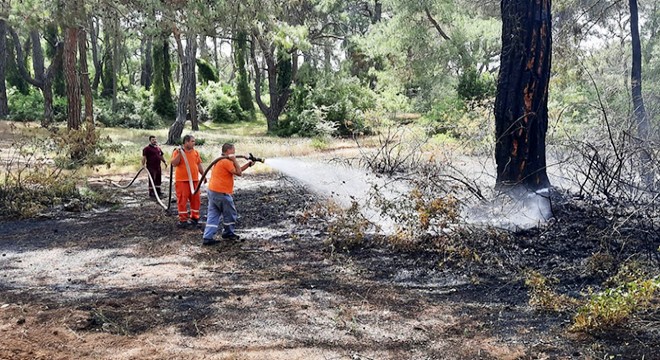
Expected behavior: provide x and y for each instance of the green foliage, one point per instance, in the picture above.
(30, 106)
(220, 104)
(284, 70)
(163, 104)
(473, 86)
(242, 85)
(12, 75)
(133, 110)
(206, 71)
(52, 37)
(542, 296)
(331, 105)
(614, 306)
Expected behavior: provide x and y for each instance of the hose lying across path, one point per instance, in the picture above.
(193, 190)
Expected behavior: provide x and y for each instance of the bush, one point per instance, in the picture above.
(220, 104)
(331, 105)
(32, 182)
(133, 111)
(473, 86)
(207, 73)
(30, 106)
(613, 307)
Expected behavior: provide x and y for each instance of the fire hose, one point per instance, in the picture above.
(194, 190)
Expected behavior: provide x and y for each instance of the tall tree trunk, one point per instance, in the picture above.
(44, 81)
(37, 56)
(163, 103)
(4, 107)
(52, 36)
(242, 85)
(643, 125)
(203, 49)
(215, 53)
(187, 100)
(147, 62)
(84, 78)
(107, 80)
(280, 69)
(72, 78)
(327, 58)
(116, 61)
(378, 12)
(98, 65)
(521, 113)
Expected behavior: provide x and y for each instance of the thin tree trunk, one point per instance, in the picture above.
(147, 63)
(108, 77)
(521, 113)
(37, 56)
(643, 125)
(116, 62)
(4, 107)
(98, 65)
(84, 78)
(215, 53)
(72, 78)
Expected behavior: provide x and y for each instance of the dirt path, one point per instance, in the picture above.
(126, 284)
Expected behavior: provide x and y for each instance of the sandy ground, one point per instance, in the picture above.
(127, 284)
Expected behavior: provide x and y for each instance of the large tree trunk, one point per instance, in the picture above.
(72, 78)
(521, 113)
(147, 63)
(4, 107)
(84, 78)
(643, 125)
(186, 103)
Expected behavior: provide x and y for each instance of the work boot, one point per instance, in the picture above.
(152, 195)
(193, 223)
(232, 237)
(209, 242)
(183, 225)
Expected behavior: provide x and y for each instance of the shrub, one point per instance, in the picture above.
(331, 105)
(614, 306)
(473, 86)
(32, 183)
(133, 111)
(220, 104)
(30, 106)
(207, 73)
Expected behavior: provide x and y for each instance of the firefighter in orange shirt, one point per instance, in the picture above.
(183, 190)
(221, 203)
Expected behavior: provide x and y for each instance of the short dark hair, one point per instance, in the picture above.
(151, 137)
(187, 138)
(226, 147)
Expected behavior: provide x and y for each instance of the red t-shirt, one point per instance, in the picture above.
(154, 156)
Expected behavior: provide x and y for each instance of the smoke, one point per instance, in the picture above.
(514, 211)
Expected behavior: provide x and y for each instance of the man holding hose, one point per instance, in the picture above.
(221, 203)
(183, 175)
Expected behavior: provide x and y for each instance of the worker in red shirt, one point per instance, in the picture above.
(182, 182)
(221, 203)
(152, 157)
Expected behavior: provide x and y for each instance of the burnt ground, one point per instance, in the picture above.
(127, 284)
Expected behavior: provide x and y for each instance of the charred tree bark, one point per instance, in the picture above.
(643, 125)
(72, 78)
(4, 107)
(84, 78)
(521, 111)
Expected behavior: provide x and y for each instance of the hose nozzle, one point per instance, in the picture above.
(255, 159)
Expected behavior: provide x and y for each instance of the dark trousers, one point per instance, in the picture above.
(156, 175)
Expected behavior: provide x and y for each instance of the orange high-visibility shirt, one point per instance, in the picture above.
(193, 160)
(222, 178)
